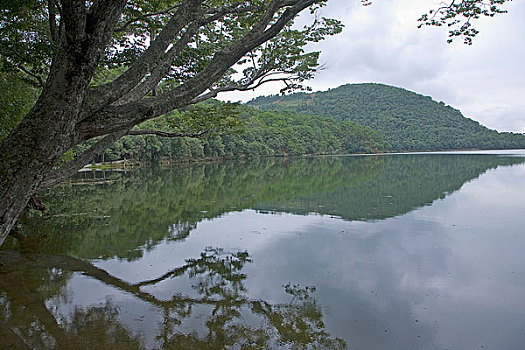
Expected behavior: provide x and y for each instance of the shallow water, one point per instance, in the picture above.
(412, 251)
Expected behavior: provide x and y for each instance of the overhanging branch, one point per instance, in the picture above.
(228, 56)
(162, 69)
(169, 134)
(245, 87)
(68, 169)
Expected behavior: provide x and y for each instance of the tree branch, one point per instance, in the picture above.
(51, 5)
(111, 92)
(218, 12)
(144, 16)
(228, 56)
(169, 134)
(252, 84)
(162, 69)
(101, 20)
(465, 10)
(38, 78)
(70, 168)
(4, 49)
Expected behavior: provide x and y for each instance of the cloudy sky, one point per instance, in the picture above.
(381, 43)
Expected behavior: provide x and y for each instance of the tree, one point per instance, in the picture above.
(195, 48)
(165, 55)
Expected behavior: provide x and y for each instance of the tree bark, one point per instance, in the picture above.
(36, 145)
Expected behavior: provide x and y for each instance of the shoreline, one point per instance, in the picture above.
(133, 164)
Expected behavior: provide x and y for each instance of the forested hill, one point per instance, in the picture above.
(406, 120)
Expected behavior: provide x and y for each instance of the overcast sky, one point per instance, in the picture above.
(381, 43)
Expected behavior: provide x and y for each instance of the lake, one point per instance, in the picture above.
(406, 251)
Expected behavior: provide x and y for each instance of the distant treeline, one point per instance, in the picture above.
(407, 121)
(259, 133)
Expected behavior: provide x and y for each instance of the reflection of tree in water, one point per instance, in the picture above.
(27, 323)
(35, 285)
(135, 211)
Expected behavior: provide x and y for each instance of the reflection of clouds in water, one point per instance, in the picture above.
(371, 277)
(411, 281)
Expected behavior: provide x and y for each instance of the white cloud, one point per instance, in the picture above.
(381, 43)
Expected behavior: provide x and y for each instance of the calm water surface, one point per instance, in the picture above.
(413, 251)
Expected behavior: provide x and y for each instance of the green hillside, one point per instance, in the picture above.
(406, 120)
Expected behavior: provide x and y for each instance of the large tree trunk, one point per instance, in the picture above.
(31, 151)
(27, 156)
(35, 146)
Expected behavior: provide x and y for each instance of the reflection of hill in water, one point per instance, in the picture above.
(404, 183)
(142, 208)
